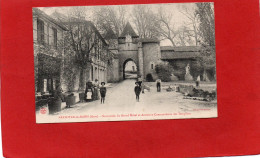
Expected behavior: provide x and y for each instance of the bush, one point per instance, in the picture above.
(149, 78)
(164, 71)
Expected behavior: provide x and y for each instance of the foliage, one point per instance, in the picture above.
(205, 13)
(110, 17)
(164, 71)
(165, 26)
(145, 21)
(82, 42)
(70, 67)
(51, 65)
(70, 72)
(208, 57)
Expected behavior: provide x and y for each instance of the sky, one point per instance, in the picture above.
(173, 9)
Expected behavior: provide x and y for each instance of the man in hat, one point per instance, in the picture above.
(158, 85)
(103, 91)
(137, 90)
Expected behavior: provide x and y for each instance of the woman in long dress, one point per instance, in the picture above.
(96, 89)
(89, 91)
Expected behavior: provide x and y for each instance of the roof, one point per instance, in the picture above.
(110, 34)
(66, 21)
(180, 48)
(148, 40)
(182, 52)
(128, 30)
(38, 12)
(178, 55)
(59, 17)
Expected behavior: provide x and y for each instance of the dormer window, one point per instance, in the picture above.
(128, 39)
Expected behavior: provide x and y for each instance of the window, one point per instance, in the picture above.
(54, 30)
(151, 66)
(40, 31)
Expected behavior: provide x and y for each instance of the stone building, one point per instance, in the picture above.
(147, 53)
(47, 33)
(108, 57)
(99, 52)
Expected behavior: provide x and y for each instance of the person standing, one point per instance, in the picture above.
(96, 87)
(158, 85)
(89, 91)
(103, 91)
(137, 90)
(141, 84)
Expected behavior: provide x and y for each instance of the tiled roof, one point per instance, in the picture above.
(110, 34)
(182, 52)
(180, 48)
(178, 55)
(38, 12)
(66, 21)
(128, 30)
(148, 40)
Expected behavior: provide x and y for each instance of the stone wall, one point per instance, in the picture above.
(151, 57)
(113, 71)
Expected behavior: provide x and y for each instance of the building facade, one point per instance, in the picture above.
(52, 50)
(47, 34)
(147, 53)
(106, 56)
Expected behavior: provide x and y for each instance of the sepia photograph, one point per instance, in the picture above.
(124, 62)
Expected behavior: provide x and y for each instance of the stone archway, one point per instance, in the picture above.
(124, 66)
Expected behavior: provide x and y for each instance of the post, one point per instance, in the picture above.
(140, 60)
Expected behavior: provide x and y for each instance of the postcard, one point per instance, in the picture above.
(124, 62)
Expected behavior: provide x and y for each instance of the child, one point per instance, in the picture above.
(103, 91)
(137, 90)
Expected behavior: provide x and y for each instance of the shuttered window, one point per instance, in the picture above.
(40, 31)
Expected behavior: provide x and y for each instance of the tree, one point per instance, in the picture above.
(184, 36)
(164, 71)
(70, 68)
(145, 21)
(192, 28)
(165, 27)
(205, 13)
(83, 40)
(110, 17)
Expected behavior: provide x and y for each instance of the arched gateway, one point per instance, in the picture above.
(132, 68)
(145, 53)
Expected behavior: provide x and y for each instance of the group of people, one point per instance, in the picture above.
(93, 90)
